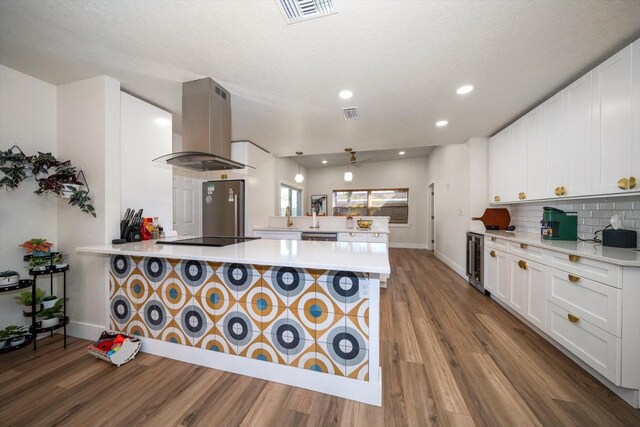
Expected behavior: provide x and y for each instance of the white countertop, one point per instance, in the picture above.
(322, 230)
(618, 256)
(347, 256)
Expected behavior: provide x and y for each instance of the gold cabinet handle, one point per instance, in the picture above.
(523, 246)
(352, 234)
(524, 196)
(560, 191)
(633, 181)
(623, 183)
(574, 279)
(522, 264)
(493, 239)
(496, 198)
(574, 258)
(572, 318)
(493, 254)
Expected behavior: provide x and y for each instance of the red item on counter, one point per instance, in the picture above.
(144, 233)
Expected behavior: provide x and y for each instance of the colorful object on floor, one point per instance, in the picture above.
(115, 347)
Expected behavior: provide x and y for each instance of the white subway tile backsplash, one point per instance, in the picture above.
(593, 214)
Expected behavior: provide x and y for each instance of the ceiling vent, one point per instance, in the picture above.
(350, 113)
(303, 10)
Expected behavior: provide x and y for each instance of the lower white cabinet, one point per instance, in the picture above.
(278, 235)
(352, 237)
(496, 276)
(527, 289)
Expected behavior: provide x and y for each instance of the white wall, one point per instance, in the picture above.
(145, 185)
(459, 173)
(28, 119)
(405, 173)
(89, 135)
(285, 172)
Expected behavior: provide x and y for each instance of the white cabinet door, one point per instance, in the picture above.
(493, 168)
(535, 289)
(556, 148)
(577, 104)
(536, 155)
(613, 146)
(490, 269)
(500, 158)
(502, 288)
(635, 145)
(517, 167)
(517, 277)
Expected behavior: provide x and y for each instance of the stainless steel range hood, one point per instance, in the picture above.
(206, 129)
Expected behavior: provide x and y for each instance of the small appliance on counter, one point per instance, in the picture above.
(558, 224)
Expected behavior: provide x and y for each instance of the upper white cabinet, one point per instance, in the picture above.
(536, 155)
(584, 140)
(556, 148)
(612, 124)
(577, 120)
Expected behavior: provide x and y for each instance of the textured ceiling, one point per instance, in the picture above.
(314, 161)
(402, 59)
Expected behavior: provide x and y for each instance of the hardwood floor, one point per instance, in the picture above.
(450, 356)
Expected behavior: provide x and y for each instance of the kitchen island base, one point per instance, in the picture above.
(312, 328)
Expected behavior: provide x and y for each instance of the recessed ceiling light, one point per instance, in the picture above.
(463, 90)
(161, 121)
(324, 162)
(345, 94)
(441, 123)
(401, 153)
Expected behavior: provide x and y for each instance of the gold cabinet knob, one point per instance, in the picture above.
(524, 195)
(352, 234)
(493, 239)
(523, 246)
(493, 254)
(574, 258)
(633, 181)
(522, 264)
(557, 191)
(574, 279)
(623, 183)
(496, 198)
(572, 318)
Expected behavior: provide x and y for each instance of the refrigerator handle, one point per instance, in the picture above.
(235, 214)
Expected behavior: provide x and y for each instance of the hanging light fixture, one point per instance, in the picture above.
(348, 175)
(299, 177)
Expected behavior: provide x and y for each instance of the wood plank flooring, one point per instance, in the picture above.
(450, 357)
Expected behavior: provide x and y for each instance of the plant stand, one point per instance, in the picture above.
(49, 270)
(20, 285)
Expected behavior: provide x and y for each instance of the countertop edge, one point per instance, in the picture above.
(319, 230)
(531, 240)
(105, 250)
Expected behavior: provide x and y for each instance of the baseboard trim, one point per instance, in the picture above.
(408, 245)
(86, 331)
(452, 265)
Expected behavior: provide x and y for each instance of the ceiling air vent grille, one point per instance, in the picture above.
(303, 10)
(350, 113)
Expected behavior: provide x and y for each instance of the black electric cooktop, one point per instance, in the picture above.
(207, 241)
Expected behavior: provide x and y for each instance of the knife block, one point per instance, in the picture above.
(134, 236)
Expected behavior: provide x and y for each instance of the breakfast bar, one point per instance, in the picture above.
(302, 313)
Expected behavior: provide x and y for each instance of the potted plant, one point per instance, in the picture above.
(37, 247)
(12, 336)
(49, 301)
(57, 259)
(38, 263)
(9, 278)
(13, 164)
(51, 316)
(24, 299)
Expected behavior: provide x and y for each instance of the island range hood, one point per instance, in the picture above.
(206, 129)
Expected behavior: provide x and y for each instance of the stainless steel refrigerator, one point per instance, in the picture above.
(223, 208)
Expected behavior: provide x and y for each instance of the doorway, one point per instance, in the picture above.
(431, 242)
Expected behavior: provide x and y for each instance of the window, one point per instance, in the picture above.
(393, 203)
(292, 198)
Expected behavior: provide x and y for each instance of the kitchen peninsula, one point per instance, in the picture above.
(307, 311)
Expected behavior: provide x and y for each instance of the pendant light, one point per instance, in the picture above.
(299, 177)
(348, 175)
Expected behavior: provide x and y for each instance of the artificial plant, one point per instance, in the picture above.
(52, 175)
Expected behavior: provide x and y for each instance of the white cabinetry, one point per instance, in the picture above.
(612, 123)
(577, 106)
(527, 289)
(556, 147)
(496, 277)
(583, 141)
(278, 235)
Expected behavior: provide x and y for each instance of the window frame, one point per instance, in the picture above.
(368, 208)
(300, 198)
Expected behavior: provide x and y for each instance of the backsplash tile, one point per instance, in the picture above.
(593, 214)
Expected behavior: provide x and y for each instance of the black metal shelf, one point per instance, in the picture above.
(20, 285)
(8, 349)
(38, 330)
